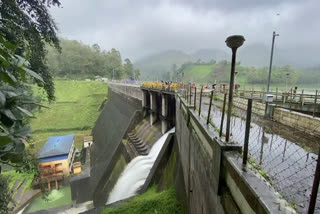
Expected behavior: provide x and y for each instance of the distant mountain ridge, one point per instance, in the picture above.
(154, 66)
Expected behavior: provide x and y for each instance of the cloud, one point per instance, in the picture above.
(139, 28)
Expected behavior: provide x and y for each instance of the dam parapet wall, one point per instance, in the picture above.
(132, 91)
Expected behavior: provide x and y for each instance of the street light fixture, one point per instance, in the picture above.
(233, 42)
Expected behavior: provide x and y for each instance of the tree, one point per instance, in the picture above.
(15, 100)
(96, 48)
(114, 63)
(28, 24)
(136, 73)
(212, 61)
(128, 68)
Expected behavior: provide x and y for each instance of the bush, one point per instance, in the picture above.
(4, 194)
(150, 202)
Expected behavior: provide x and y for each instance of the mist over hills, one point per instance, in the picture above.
(258, 55)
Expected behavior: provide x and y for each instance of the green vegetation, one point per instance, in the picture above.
(196, 73)
(150, 202)
(14, 177)
(4, 194)
(283, 78)
(260, 171)
(75, 111)
(79, 61)
(26, 26)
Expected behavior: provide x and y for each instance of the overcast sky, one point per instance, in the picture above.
(141, 27)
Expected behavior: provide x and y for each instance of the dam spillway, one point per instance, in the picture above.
(136, 172)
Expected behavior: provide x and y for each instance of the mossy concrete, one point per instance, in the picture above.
(109, 129)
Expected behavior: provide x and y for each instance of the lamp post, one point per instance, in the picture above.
(233, 42)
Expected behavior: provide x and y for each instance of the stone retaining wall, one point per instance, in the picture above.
(297, 120)
(300, 121)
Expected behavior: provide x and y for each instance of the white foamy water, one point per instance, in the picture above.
(136, 172)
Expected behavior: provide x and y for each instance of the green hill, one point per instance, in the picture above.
(197, 73)
(209, 73)
(75, 111)
(153, 67)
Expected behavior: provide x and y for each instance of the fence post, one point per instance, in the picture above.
(223, 110)
(187, 96)
(301, 98)
(247, 132)
(211, 96)
(291, 99)
(195, 98)
(315, 103)
(315, 187)
(200, 100)
(190, 94)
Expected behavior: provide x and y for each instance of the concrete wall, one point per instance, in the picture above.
(292, 119)
(257, 108)
(107, 133)
(297, 120)
(132, 91)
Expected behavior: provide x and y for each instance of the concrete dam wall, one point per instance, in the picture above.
(107, 150)
(210, 169)
(206, 171)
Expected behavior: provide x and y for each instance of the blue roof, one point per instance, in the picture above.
(53, 158)
(56, 145)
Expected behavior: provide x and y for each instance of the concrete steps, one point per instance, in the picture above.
(140, 146)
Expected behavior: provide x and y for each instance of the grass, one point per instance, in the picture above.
(75, 111)
(19, 178)
(197, 72)
(260, 171)
(150, 202)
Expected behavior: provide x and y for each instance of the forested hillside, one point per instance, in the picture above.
(206, 72)
(79, 61)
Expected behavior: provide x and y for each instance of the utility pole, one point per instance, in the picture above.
(233, 42)
(270, 70)
(112, 74)
(271, 58)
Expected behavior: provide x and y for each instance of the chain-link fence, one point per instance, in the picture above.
(286, 157)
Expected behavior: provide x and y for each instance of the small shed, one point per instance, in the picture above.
(56, 156)
(87, 141)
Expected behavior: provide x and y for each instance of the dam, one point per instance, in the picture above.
(207, 171)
